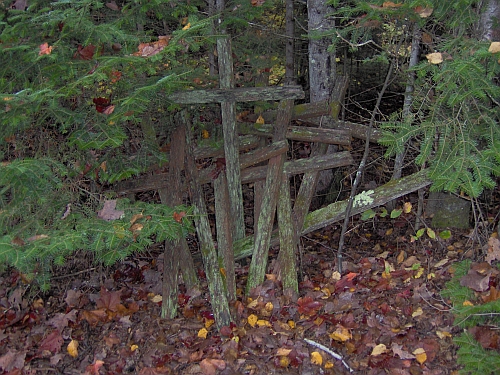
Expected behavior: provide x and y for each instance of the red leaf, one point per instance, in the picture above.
(52, 342)
(101, 104)
(85, 53)
(308, 306)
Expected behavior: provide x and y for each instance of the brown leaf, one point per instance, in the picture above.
(12, 360)
(85, 53)
(20, 5)
(109, 212)
(210, 366)
(493, 252)
(95, 316)
(112, 5)
(109, 300)
(52, 342)
(178, 216)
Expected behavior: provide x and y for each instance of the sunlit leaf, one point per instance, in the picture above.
(316, 358)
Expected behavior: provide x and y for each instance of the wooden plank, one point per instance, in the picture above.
(300, 112)
(239, 94)
(257, 269)
(336, 211)
(302, 133)
(231, 152)
(218, 297)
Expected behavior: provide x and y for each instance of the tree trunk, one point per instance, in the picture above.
(489, 23)
(322, 67)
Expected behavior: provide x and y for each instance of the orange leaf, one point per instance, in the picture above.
(178, 216)
(45, 49)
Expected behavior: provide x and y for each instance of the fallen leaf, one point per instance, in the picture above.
(423, 12)
(316, 358)
(178, 216)
(252, 320)
(434, 58)
(283, 351)
(109, 211)
(210, 366)
(12, 360)
(494, 47)
(72, 348)
(112, 5)
(45, 49)
(260, 120)
(340, 334)
(420, 355)
(379, 349)
(407, 207)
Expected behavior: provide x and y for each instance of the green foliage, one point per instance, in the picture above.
(81, 108)
(455, 110)
(474, 358)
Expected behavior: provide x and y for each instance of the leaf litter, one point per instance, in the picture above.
(384, 315)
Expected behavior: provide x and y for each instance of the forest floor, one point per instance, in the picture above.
(383, 315)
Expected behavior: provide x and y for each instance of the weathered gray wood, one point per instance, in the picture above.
(302, 133)
(218, 298)
(310, 179)
(157, 181)
(224, 234)
(257, 269)
(358, 131)
(336, 211)
(303, 111)
(287, 269)
(231, 152)
(245, 142)
(239, 94)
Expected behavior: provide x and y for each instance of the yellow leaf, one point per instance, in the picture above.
(260, 120)
(103, 166)
(467, 303)
(494, 47)
(263, 323)
(209, 323)
(284, 361)
(156, 298)
(269, 307)
(205, 134)
(431, 233)
(283, 351)
(202, 333)
(252, 320)
(407, 207)
(329, 364)
(187, 26)
(419, 273)
(389, 231)
(340, 334)
(443, 334)
(316, 358)
(420, 355)
(435, 58)
(390, 4)
(417, 312)
(291, 324)
(134, 347)
(73, 348)
(379, 349)
(401, 257)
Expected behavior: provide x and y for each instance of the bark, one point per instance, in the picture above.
(489, 23)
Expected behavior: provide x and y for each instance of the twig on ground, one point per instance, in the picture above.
(332, 353)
